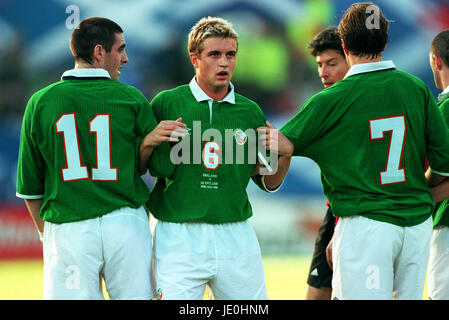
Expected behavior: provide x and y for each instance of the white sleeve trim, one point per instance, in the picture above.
(26, 196)
(271, 191)
(440, 173)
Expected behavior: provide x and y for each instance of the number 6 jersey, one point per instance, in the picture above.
(212, 166)
(79, 146)
(370, 134)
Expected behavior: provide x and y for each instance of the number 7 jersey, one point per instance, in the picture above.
(370, 134)
(79, 146)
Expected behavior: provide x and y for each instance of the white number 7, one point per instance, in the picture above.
(393, 173)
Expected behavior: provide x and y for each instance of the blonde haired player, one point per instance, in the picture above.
(203, 236)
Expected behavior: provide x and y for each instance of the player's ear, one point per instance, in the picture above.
(98, 53)
(438, 62)
(343, 45)
(194, 59)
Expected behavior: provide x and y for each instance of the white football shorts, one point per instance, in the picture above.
(116, 245)
(375, 260)
(226, 257)
(438, 270)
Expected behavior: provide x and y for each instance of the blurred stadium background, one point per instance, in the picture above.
(274, 68)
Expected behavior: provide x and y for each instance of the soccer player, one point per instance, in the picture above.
(332, 67)
(382, 124)
(203, 236)
(78, 172)
(438, 269)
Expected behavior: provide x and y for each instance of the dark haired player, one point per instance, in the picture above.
(438, 271)
(78, 172)
(332, 67)
(382, 124)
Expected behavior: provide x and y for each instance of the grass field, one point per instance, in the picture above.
(285, 277)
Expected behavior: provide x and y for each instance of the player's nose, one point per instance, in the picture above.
(323, 73)
(224, 61)
(124, 57)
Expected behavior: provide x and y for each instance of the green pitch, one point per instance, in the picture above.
(285, 277)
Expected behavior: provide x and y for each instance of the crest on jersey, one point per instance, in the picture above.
(240, 136)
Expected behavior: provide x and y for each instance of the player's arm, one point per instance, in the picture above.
(437, 136)
(31, 168)
(167, 130)
(276, 142)
(439, 186)
(329, 253)
(34, 208)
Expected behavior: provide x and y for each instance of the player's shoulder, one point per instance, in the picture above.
(127, 90)
(247, 102)
(179, 91)
(250, 106)
(177, 95)
(405, 76)
(45, 91)
(444, 105)
(333, 93)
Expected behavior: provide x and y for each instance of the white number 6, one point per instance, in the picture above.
(211, 160)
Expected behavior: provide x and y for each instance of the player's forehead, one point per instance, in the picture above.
(328, 55)
(219, 44)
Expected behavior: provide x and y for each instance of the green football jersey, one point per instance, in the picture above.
(370, 134)
(441, 211)
(79, 146)
(208, 180)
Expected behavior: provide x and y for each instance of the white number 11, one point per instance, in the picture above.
(393, 173)
(99, 125)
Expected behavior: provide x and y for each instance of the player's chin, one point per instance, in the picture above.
(222, 82)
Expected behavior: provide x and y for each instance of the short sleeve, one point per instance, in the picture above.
(30, 165)
(437, 136)
(313, 120)
(159, 164)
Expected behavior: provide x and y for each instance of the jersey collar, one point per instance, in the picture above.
(445, 90)
(200, 95)
(90, 74)
(370, 67)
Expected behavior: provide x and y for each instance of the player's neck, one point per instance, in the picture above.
(353, 60)
(81, 64)
(444, 76)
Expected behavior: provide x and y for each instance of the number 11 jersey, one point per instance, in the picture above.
(79, 146)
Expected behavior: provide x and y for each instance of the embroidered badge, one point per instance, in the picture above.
(240, 136)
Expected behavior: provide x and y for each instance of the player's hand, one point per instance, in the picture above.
(329, 253)
(167, 130)
(275, 141)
